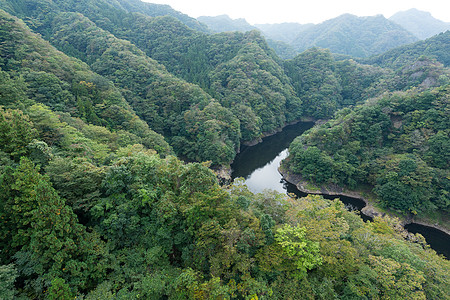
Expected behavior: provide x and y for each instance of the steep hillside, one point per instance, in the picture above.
(398, 144)
(161, 99)
(326, 85)
(437, 47)
(104, 11)
(156, 10)
(355, 36)
(420, 23)
(225, 24)
(41, 74)
(94, 204)
(188, 54)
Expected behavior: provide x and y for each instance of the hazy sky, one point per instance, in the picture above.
(311, 11)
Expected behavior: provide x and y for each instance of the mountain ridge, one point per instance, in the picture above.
(421, 23)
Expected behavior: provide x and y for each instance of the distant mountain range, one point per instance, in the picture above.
(285, 32)
(420, 23)
(347, 34)
(354, 36)
(224, 23)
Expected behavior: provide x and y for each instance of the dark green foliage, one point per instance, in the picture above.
(437, 47)
(77, 180)
(312, 74)
(395, 144)
(38, 224)
(47, 76)
(16, 132)
(326, 85)
(8, 275)
(154, 10)
(218, 132)
(90, 210)
(12, 90)
(200, 59)
(254, 80)
(438, 153)
(59, 290)
(172, 231)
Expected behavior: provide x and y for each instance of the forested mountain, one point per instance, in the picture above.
(397, 143)
(96, 99)
(420, 23)
(35, 72)
(326, 85)
(359, 147)
(355, 36)
(224, 23)
(111, 11)
(248, 81)
(200, 62)
(437, 47)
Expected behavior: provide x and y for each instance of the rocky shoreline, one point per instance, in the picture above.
(369, 210)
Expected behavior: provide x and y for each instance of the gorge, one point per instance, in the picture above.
(259, 165)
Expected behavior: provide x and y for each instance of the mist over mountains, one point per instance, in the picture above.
(346, 34)
(420, 23)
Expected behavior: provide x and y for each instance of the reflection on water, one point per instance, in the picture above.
(258, 165)
(267, 177)
(437, 239)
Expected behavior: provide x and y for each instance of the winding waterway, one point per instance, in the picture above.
(258, 165)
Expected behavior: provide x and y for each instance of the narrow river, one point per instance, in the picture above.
(258, 165)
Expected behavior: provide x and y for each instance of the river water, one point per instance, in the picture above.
(258, 165)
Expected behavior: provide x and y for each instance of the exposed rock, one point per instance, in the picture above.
(369, 210)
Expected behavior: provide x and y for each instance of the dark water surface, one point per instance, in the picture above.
(258, 165)
(437, 239)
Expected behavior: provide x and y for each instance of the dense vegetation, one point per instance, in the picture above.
(437, 47)
(94, 204)
(123, 222)
(325, 85)
(196, 57)
(345, 35)
(397, 143)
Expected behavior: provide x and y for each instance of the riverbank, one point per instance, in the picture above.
(277, 130)
(369, 210)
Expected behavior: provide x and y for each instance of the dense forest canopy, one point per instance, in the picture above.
(398, 144)
(437, 47)
(113, 115)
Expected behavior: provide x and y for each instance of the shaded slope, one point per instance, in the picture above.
(63, 83)
(437, 47)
